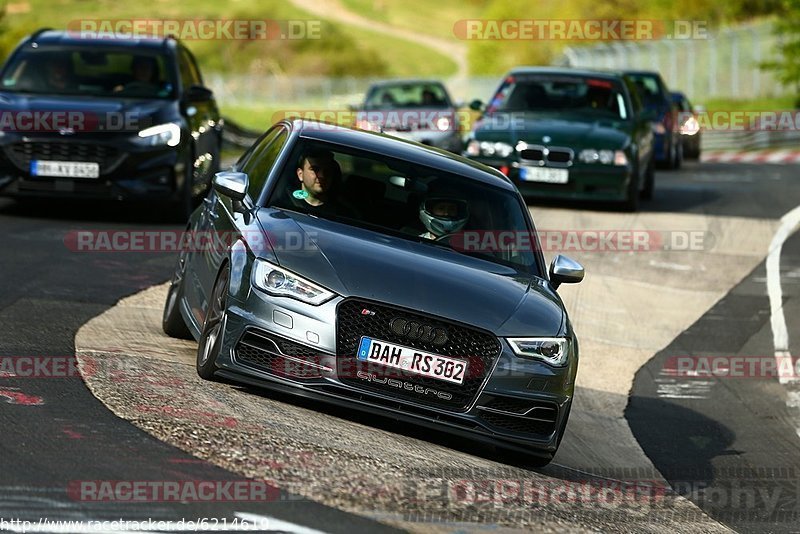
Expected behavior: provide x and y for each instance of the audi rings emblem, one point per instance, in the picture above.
(418, 331)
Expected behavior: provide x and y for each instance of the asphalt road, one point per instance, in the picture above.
(55, 433)
(47, 292)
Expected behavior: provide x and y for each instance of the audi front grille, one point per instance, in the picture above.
(357, 318)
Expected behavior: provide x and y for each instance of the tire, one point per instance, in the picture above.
(186, 202)
(676, 155)
(631, 202)
(208, 346)
(649, 181)
(172, 321)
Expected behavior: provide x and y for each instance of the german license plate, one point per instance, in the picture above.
(65, 169)
(412, 360)
(544, 174)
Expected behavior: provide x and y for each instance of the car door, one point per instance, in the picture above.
(202, 116)
(225, 222)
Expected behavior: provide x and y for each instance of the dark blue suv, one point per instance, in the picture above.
(115, 116)
(664, 115)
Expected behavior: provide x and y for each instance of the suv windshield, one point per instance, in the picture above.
(561, 94)
(407, 95)
(407, 200)
(110, 72)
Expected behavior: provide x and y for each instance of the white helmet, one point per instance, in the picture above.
(443, 215)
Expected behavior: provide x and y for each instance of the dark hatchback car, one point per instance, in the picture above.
(567, 134)
(661, 110)
(418, 110)
(398, 295)
(106, 117)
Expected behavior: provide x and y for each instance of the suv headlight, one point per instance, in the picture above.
(163, 134)
(552, 350)
(282, 283)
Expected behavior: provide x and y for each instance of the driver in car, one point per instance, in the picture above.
(442, 215)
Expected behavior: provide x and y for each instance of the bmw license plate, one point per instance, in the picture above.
(65, 169)
(544, 174)
(412, 360)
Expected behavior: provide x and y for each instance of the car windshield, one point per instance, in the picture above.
(92, 72)
(561, 94)
(407, 95)
(409, 201)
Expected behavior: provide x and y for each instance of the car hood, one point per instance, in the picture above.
(564, 130)
(88, 114)
(361, 263)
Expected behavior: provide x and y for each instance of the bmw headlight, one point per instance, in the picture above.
(552, 350)
(604, 157)
(282, 283)
(164, 134)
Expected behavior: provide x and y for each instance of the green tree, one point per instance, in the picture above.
(787, 28)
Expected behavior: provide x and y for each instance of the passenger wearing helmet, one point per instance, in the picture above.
(442, 215)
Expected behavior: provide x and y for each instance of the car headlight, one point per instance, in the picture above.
(605, 157)
(282, 283)
(690, 127)
(363, 124)
(443, 124)
(490, 149)
(552, 350)
(163, 134)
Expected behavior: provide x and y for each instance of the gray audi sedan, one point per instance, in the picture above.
(382, 275)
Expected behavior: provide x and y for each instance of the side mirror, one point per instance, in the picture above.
(476, 105)
(565, 270)
(231, 184)
(198, 93)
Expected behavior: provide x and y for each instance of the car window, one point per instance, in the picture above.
(570, 94)
(190, 75)
(407, 200)
(262, 158)
(649, 88)
(97, 72)
(407, 95)
(636, 102)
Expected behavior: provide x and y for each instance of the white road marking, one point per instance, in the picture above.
(780, 335)
(673, 266)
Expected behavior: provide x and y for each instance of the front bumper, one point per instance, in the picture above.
(127, 171)
(586, 182)
(286, 345)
